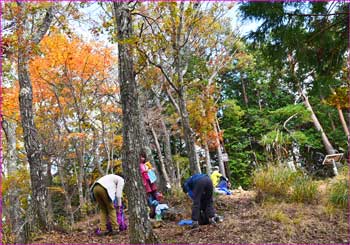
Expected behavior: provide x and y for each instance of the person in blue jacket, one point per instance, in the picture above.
(200, 188)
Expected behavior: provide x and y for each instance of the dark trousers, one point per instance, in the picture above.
(203, 206)
(151, 196)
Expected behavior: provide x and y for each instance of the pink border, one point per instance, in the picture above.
(1, 118)
(1, 98)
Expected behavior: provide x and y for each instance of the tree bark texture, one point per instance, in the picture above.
(31, 141)
(328, 146)
(140, 226)
(79, 151)
(169, 163)
(244, 92)
(30, 134)
(181, 63)
(160, 157)
(207, 158)
(50, 215)
(189, 136)
(342, 120)
(67, 198)
(219, 151)
(16, 218)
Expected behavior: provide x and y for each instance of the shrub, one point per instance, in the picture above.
(274, 181)
(304, 190)
(338, 193)
(282, 183)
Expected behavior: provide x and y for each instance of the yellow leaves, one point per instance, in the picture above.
(19, 180)
(107, 24)
(56, 189)
(117, 166)
(16, 183)
(118, 141)
(339, 97)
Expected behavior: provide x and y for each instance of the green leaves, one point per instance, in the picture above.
(302, 115)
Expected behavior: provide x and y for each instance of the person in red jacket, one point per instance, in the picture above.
(151, 188)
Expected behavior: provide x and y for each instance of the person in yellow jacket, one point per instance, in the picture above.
(215, 176)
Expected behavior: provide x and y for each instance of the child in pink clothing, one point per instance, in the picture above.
(151, 188)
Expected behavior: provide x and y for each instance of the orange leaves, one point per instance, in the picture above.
(213, 143)
(69, 74)
(112, 109)
(70, 61)
(108, 89)
(10, 103)
(203, 110)
(76, 136)
(203, 115)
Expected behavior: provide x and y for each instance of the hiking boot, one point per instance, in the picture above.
(216, 219)
(98, 232)
(111, 233)
(212, 221)
(219, 219)
(194, 225)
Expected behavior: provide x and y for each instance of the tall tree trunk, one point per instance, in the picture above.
(31, 142)
(67, 198)
(79, 151)
(49, 196)
(169, 163)
(259, 100)
(219, 150)
(244, 92)
(181, 63)
(161, 161)
(348, 158)
(16, 217)
(96, 154)
(188, 132)
(207, 158)
(332, 121)
(342, 120)
(328, 146)
(189, 136)
(146, 142)
(30, 134)
(140, 227)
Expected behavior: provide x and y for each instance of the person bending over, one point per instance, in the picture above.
(200, 188)
(106, 190)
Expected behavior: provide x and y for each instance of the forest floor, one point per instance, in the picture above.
(245, 221)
